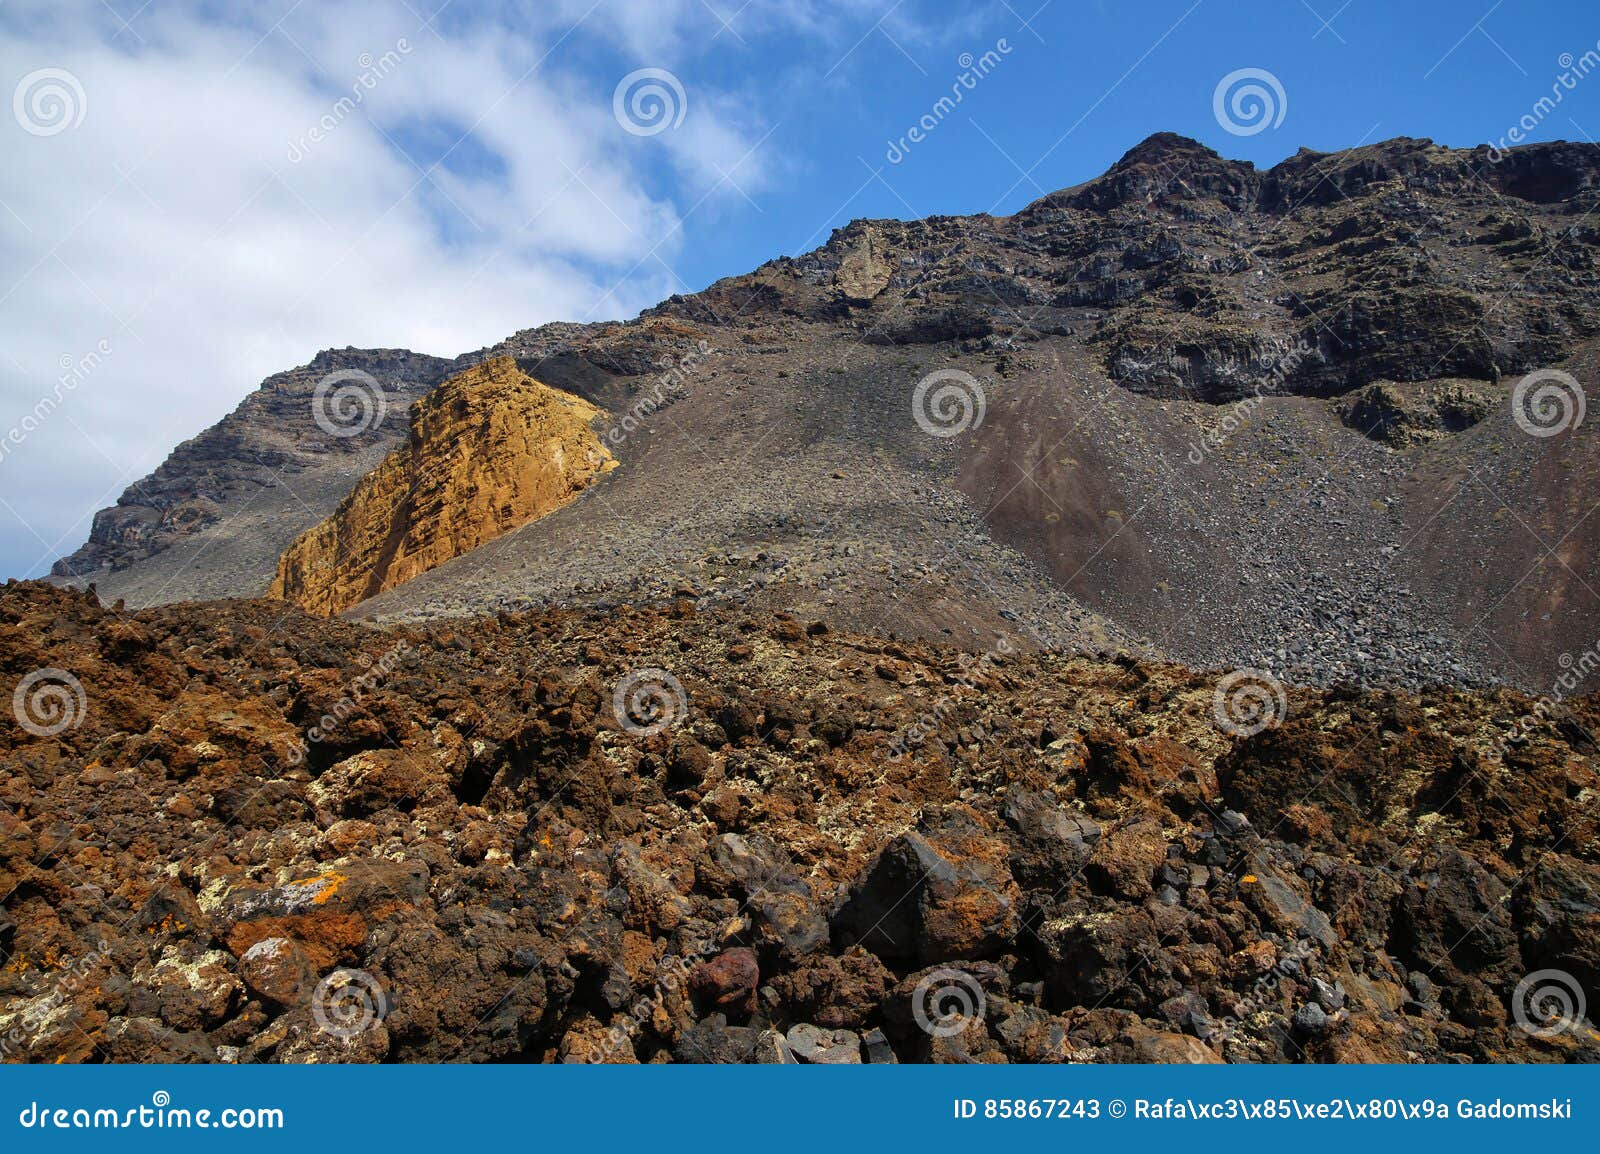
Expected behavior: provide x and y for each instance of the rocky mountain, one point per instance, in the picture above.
(222, 508)
(490, 449)
(675, 835)
(1235, 417)
(815, 668)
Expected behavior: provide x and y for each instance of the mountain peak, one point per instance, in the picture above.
(1168, 148)
(1161, 165)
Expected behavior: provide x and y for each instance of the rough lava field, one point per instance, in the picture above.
(795, 845)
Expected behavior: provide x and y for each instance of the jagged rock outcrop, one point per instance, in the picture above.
(491, 449)
(1405, 415)
(864, 273)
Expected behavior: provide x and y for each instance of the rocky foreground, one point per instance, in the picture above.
(231, 832)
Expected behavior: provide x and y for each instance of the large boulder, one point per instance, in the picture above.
(942, 894)
(1456, 919)
(1558, 914)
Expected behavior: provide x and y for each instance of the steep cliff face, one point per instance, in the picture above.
(490, 449)
(222, 508)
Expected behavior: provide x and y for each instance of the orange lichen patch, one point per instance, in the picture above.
(1307, 823)
(1249, 879)
(328, 884)
(1257, 957)
(328, 937)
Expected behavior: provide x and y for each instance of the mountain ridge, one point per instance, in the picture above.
(1111, 331)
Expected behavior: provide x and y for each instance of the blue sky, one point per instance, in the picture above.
(192, 186)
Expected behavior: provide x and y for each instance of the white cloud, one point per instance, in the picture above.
(173, 224)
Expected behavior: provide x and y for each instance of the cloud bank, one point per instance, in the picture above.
(195, 198)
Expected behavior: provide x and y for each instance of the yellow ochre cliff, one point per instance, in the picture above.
(491, 449)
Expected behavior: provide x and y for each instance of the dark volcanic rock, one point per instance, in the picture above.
(479, 864)
(946, 893)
